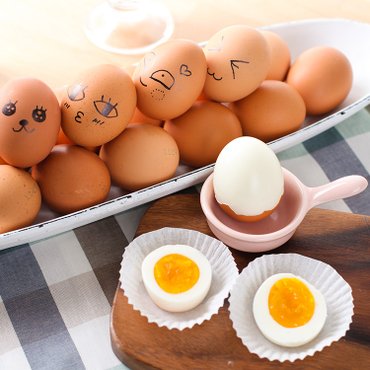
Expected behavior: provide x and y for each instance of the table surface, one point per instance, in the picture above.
(56, 293)
(214, 344)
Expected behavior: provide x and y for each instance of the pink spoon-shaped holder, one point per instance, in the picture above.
(279, 227)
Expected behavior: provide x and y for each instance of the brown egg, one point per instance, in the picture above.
(141, 156)
(323, 76)
(2, 161)
(140, 117)
(273, 110)
(59, 92)
(169, 79)
(130, 69)
(202, 97)
(280, 56)
(20, 198)
(62, 138)
(203, 131)
(238, 59)
(72, 178)
(29, 121)
(98, 105)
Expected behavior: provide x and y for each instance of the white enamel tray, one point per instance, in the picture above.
(348, 36)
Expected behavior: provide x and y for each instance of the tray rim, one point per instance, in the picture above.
(128, 201)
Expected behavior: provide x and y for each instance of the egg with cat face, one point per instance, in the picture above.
(29, 121)
(238, 60)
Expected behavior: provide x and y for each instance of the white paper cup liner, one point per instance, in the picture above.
(224, 274)
(336, 291)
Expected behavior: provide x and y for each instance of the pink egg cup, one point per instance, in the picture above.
(279, 227)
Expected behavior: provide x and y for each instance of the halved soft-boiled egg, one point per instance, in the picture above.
(176, 277)
(288, 310)
(248, 179)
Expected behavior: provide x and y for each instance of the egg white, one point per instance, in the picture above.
(248, 177)
(179, 302)
(278, 334)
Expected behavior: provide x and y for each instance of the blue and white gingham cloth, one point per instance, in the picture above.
(56, 294)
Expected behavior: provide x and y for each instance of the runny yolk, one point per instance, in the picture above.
(291, 303)
(176, 273)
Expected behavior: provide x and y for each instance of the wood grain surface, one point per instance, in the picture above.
(339, 239)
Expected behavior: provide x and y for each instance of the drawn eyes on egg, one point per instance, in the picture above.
(38, 114)
(76, 92)
(10, 108)
(106, 108)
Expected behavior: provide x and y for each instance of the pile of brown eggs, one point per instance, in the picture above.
(183, 104)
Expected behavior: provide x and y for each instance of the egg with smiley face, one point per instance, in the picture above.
(98, 105)
(169, 79)
(29, 121)
(238, 60)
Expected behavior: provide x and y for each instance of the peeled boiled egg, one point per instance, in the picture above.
(248, 180)
(288, 310)
(176, 277)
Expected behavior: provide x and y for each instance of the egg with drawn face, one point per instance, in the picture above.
(29, 121)
(98, 105)
(238, 60)
(169, 79)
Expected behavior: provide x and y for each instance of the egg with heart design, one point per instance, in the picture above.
(170, 78)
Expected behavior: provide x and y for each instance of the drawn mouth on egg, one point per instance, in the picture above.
(158, 94)
(141, 81)
(213, 75)
(23, 126)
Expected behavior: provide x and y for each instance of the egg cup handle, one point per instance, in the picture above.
(341, 188)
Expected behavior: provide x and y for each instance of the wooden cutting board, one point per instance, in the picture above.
(339, 239)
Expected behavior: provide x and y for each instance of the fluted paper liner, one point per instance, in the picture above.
(224, 274)
(336, 291)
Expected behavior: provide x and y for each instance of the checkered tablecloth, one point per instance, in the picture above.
(56, 294)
